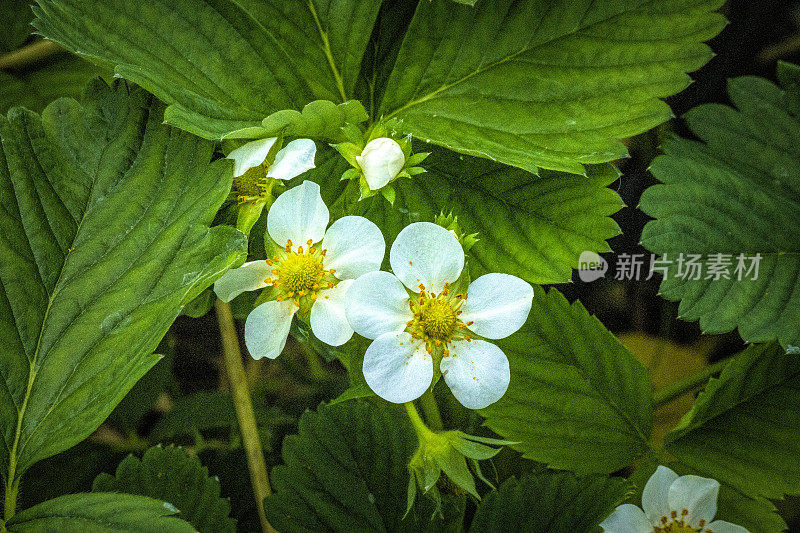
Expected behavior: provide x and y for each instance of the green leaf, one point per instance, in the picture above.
(222, 65)
(742, 429)
(346, 470)
(534, 227)
(103, 238)
(15, 25)
(171, 475)
(99, 513)
(320, 119)
(549, 501)
(551, 84)
(737, 192)
(577, 400)
(34, 88)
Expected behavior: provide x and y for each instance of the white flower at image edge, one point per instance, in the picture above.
(410, 329)
(290, 161)
(381, 160)
(316, 267)
(672, 503)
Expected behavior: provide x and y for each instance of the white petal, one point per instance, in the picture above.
(427, 254)
(328, 320)
(721, 526)
(696, 494)
(293, 159)
(354, 247)
(381, 160)
(498, 304)
(477, 372)
(656, 493)
(250, 155)
(248, 277)
(627, 518)
(377, 303)
(298, 214)
(398, 368)
(267, 327)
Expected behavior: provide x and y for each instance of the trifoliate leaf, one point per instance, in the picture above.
(578, 399)
(171, 475)
(100, 512)
(556, 502)
(551, 84)
(103, 238)
(733, 200)
(742, 430)
(221, 65)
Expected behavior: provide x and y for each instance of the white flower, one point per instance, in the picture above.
(292, 160)
(672, 504)
(381, 160)
(311, 274)
(410, 330)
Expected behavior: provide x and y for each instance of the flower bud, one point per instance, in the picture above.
(381, 161)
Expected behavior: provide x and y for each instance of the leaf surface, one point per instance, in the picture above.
(735, 193)
(103, 238)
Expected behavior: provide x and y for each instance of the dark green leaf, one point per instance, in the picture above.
(15, 26)
(221, 65)
(540, 83)
(556, 502)
(531, 226)
(35, 87)
(742, 429)
(578, 399)
(103, 238)
(346, 470)
(170, 475)
(737, 192)
(99, 513)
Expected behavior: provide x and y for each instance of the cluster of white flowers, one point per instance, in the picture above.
(416, 319)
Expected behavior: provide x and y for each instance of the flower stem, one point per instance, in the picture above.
(687, 384)
(419, 425)
(28, 54)
(232, 359)
(431, 410)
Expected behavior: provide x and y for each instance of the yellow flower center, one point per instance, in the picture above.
(253, 184)
(300, 273)
(678, 524)
(438, 319)
(435, 319)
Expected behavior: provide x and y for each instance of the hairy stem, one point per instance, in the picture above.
(28, 54)
(232, 359)
(687, 384)
(419, 425)
(431, 410)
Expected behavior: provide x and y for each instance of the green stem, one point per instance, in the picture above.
(687, 384)
(419, 425)
(11, 500)
(28, 54)
(431, 410)
(232, 359)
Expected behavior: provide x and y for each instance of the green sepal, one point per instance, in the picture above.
(349, 151)
(248, 214)
(388, 193)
